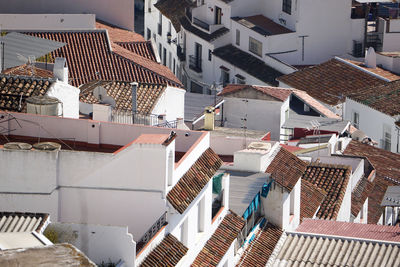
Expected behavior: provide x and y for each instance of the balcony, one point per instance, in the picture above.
(181, 53)
(169, 37)
(195, 64)
(201, 24)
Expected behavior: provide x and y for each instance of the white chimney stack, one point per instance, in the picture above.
(60, 69)
(370, 58)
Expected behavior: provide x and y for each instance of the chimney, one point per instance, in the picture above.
(209, 118)
(370, 58)
(134, 96)
(60, 69)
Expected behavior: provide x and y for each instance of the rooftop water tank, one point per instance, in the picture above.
(17, 146)
(43, 105)
(47, 146)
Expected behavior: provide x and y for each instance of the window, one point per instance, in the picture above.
(218, 14)
(173, 69)
(169, 60)
(237, 37)
(356, 120)
(387, 138)
(165, 57)
(287, 6)
(240, 79)
(154, 37)
(209, 55)
(224, 76)
(148, 34)
(196, 88)
(255, 46)
(160, 50)
(159, 24)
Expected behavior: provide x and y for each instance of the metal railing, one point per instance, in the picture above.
(195, 63)
(201, 24)
(128, 117)
(151, 232)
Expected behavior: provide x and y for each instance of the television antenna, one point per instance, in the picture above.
(29, 61)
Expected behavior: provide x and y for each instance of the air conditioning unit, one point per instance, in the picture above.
(259, 145)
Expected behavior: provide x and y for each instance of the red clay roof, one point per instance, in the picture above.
(89, 57)
(384, 98)
(141, 48)
(168, 253)
(360, 194)
(118, 34)
(333, 179)
(32, 71)
(280, 94)
(311, 199)
(386, 165)
(147, 95)
(286, 169)
(219, 243)
(151, 139)
(327, 81)
(291, 148)
(194, 180)
(261, 248)
(381, 72)
(347, 229)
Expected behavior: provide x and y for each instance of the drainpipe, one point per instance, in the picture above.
(398, 139)
(134, 100)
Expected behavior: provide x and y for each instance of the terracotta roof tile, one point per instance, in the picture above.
(151, 139)
(347, 229)
(219, 243)
(262, 25)
(25, 70)
(386, 165)
(280, 94)
(381, 72)
(248, 63)
(16, 88)
(118, 34)
(194, 180)
(311, 199)
(168, 253)
(333, 179)
(261, 248)
(286, 169)
(147, 95)
(89, 58)
(174, 10)
(330, 79)
(143, 49)
(360, 194)
(384, 98)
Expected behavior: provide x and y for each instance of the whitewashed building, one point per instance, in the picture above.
(104, 173)
(220, 42)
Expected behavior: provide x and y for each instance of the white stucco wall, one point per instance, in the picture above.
(262, 115)
(391, 39)
(345, 209)
(119, 12)
(100, 243)
(372, 122)
(69, 96)
(171, 103)
(47, 21)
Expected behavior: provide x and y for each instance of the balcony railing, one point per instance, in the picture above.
(201, 24)
(181, 53)
(195, 63)
(151, 232)
(128, 117)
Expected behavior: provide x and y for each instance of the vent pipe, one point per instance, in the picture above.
(134, 96)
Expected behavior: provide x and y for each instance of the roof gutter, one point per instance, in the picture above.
(362, 69)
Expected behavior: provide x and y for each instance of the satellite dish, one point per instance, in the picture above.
(100, 92)
(358, 135)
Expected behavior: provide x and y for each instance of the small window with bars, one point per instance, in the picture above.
(255, 46)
